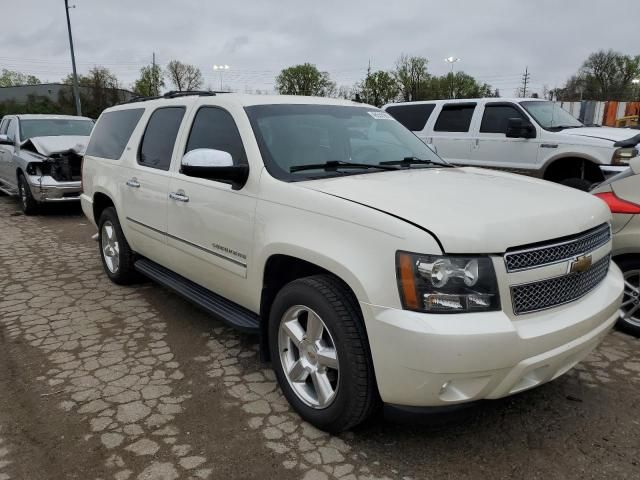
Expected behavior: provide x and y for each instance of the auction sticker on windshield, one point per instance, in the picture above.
(380, 115)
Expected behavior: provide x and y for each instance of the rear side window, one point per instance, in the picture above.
(112, 133)
(215, 128)
(159, 137)
(455, 118)
(12, 129)
(495, 118)
(413, 117)
(3, 126)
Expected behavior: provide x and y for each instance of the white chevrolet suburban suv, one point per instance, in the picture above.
(371, 269)
(521, 135)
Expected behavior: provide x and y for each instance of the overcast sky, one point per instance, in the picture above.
(495, 39)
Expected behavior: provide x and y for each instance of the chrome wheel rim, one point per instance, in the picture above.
(631, 298)
(308, 357)
(110, 247)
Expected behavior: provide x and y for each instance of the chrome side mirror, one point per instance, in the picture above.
(214, 165)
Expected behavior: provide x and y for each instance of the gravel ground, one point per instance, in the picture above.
(105, 382)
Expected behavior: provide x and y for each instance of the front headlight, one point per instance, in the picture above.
(447, 284)
(622, 156)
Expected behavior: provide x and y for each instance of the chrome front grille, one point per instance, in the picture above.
(537, 256)
(531, 297)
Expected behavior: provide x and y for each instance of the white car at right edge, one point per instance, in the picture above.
(372, 270)
(521, 135)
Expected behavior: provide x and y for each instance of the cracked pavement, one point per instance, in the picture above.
(99, 381)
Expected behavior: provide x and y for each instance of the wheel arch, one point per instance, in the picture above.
(574, 165)
(281, 269)
(101, 201)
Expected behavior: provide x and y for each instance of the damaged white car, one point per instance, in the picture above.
(41, 158)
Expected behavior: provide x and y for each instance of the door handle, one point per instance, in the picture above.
(132, 182)
(178, 196)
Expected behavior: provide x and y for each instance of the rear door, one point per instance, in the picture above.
(492, 148)
(146, 189)
(451, 132)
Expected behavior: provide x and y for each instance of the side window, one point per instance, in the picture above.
(156, 147)
(3, 126)
(455, 118)
(413, 117)
(495, 117)
(12, 129)
(215, 128)
(112, 133)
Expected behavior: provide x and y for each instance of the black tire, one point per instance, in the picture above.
(29, 204)
(356, 395)
(125, 273)
(630, 267)
(577, 183)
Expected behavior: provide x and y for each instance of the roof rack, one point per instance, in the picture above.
(173, 94)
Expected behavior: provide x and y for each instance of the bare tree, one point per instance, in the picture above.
(184, 76)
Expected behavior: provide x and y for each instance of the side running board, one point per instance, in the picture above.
(228, 312)
(8, 190)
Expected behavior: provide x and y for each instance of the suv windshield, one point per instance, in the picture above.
(293, 136)
(551, 116)
(54, 128)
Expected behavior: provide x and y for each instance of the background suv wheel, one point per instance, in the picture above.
(630, 319)
(27, 202)
(320, 353)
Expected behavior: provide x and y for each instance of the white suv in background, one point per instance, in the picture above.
(371, 268)
(522, 135)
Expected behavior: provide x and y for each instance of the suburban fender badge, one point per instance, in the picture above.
(581, 264)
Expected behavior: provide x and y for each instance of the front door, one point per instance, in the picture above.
(492, 148)
(145, 189)
(210, 224)
(7, 167)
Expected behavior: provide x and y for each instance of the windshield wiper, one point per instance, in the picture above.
(406, 162)
(336, 164)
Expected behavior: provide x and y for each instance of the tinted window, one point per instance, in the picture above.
(495, 118)
(455, 118)
(3, 126)
(214, 128)
(414, 117)
(159, 137)
(112, 132)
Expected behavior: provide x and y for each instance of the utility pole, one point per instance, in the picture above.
(525, 80)
(76, 90)
(154, 77)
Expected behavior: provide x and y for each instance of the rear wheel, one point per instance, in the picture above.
(630, 319)
(320, 353)
(577, 183)
(116, 254)
(27, 202)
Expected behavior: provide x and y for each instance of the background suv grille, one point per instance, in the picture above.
(558, 251)
(549, 293)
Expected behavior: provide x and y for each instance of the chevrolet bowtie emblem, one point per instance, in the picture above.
(581, 264)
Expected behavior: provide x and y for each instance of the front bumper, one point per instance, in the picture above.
(47, 189)
(434, 360)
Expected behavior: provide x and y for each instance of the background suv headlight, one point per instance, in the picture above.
(447, 284)
(622, 156)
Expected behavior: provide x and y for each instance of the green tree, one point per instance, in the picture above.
(411, 76)
(151, 81)
(378, 88)
(604, 75)
(184, 76)
(99, 89)
(10, 78)
(305, 79)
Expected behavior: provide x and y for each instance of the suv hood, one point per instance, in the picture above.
(47, 146)
(603, 133)
(472, 210)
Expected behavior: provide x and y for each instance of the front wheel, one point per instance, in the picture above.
(27, 202)
(629, 321)
(320, 353)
